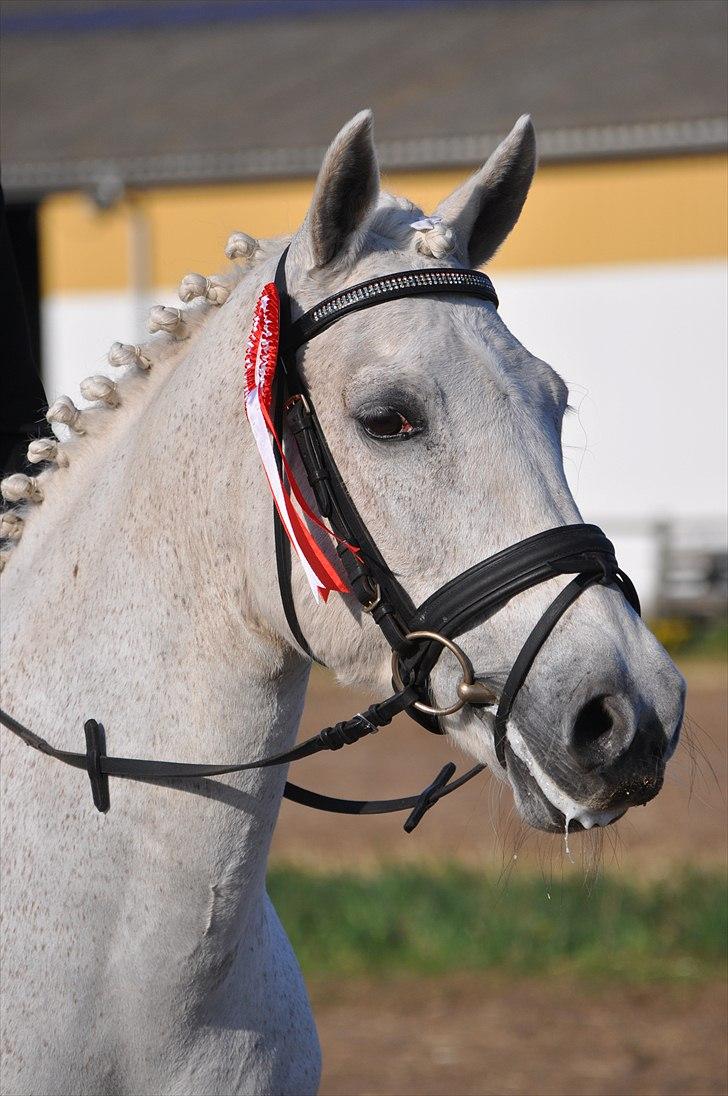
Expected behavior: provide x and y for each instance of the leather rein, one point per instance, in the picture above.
(416, 635)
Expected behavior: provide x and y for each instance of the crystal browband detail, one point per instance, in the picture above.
(382, 286)
(408, 283)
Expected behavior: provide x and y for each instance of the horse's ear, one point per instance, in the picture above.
(346, 192)
(484, 209)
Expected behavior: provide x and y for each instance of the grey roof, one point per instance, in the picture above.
(186, 91)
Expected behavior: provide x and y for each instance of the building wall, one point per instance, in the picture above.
(615, 275)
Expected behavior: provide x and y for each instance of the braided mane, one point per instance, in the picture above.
(395, 220)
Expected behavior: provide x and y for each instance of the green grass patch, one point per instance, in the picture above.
(710, 643)
(415, 920)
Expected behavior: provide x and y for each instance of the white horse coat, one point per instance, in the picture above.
(140, 951)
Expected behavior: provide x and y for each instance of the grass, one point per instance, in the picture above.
(418, 921)
(712, 643)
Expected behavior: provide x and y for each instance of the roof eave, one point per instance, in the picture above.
(107, 179)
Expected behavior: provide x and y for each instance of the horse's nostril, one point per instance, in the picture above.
(593, 733)
(593, 722)
(622, 747)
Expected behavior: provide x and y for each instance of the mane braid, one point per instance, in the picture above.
(174, 331)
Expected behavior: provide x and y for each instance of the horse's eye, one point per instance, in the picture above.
(387, 424)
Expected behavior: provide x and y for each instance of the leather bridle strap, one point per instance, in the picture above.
(478, 593)
(391, 287)
(371, 580)
(416, 804)
(99, 766)
(330, 738)
(528, 652)
(282, 543)
(540, 633)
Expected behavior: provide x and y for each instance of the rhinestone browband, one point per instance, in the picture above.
(408, 283)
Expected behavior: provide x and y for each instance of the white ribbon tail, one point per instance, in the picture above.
(267, 455)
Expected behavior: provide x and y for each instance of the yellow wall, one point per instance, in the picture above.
(661, 209)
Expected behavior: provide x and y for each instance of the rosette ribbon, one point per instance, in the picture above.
(261, 359)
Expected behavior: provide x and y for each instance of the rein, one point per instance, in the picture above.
(100, 767)
(417, 636)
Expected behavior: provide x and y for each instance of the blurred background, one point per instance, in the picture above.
(470, 957)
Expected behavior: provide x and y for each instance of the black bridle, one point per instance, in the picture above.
(416, 635)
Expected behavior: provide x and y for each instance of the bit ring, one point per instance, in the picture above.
(466, 666)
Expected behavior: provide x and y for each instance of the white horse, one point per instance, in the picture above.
(141, 952)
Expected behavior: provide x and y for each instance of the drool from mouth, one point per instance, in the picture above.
(542, 803)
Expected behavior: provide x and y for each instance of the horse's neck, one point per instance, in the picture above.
(134, 600)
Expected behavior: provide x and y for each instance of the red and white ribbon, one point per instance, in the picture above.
(261, 357)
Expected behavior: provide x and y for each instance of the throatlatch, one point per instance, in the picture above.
(279, 407)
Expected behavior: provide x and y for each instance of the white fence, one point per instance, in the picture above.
(679, 565)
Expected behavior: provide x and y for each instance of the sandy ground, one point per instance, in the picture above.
(464, 1037)
(468, 1035)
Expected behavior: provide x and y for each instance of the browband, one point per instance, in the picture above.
(408, 283)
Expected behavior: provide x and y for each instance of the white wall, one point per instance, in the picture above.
(643, 350)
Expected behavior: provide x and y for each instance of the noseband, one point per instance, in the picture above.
(417, 635)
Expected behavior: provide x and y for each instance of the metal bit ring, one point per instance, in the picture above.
(466, 666)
